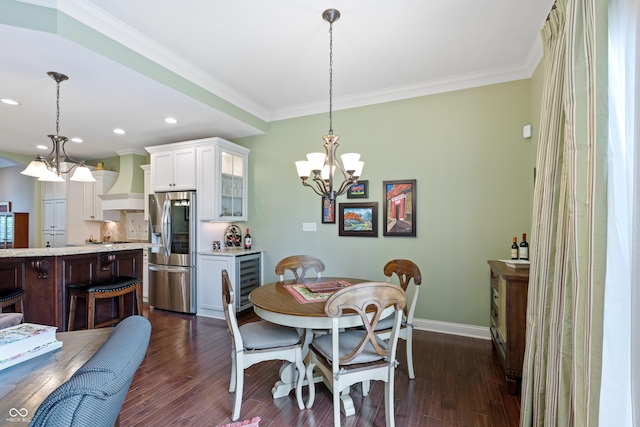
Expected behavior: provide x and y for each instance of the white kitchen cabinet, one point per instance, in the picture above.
(222, 181)
(54, 190)
(231, 200)
(245, 273)
(54, 239)
(104, 180)
(55, 215)
(173, 167)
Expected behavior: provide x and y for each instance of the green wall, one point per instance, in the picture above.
(474, 177)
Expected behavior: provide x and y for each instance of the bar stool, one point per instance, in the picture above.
(12, 297)
(116, 287)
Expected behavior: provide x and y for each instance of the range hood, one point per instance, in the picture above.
(127, 194)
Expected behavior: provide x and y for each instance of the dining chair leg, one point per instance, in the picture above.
(336, 405)
(409, 348)
(366, 386)
(301, 372)
(312, 385)
(389, 412)
(239, 388)
(234, 373)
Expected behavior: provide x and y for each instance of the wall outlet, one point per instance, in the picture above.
(308, 226)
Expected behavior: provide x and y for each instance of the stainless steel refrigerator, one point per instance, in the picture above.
(172, 259)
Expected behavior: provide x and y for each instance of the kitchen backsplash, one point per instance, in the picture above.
(131, 227)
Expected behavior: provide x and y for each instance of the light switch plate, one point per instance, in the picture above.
(308, 226)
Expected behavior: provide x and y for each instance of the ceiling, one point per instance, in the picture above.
(228, 68)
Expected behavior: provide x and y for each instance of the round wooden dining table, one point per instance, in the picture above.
(275, 303)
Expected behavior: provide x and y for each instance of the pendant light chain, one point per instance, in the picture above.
(331, 78)
(57, 108)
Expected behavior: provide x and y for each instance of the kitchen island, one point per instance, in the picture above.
(46, 273)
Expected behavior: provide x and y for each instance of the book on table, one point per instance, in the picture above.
(26, 341)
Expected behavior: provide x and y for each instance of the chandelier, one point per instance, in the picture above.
(323, 165)
(50, 167)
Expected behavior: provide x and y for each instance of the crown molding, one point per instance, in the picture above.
(104, 23)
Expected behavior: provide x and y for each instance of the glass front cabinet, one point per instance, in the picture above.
(232, 185)
(222, 181)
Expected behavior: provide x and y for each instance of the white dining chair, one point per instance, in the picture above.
(406, 271)
(299, 265)
(258, 342)
(356, 355)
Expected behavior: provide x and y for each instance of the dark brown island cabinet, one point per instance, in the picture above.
(46, 278)
(509, 287)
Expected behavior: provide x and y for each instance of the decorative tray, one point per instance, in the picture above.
(516, 263)
(325, 287)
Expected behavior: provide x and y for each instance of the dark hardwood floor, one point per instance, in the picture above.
(184, 380)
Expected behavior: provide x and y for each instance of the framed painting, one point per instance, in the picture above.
(5, 206)
(328, 211)
(399, 208)
(358, 219)
(359, 190)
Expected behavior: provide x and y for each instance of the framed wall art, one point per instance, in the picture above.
(360, 190)
(328, 211)
(358, 219)
(399, 208)
(5, 206)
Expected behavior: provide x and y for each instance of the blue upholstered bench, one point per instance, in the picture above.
(94, 394)
(117, 287)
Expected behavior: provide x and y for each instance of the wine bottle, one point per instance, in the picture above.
(247, 240)
(514, 248)
(524, 248)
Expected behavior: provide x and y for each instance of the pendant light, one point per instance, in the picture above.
(323, 165)
(49, 167)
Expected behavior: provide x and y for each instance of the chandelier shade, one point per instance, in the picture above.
(53, 165)
(321, 167)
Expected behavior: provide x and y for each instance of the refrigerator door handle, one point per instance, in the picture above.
(166, 228)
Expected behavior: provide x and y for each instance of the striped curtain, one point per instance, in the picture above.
(561, 372)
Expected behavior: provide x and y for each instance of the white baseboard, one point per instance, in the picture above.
(452, 328)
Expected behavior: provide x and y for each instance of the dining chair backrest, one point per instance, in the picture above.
(369, 300)
(228, 300)
(299, 265)
(406, 271)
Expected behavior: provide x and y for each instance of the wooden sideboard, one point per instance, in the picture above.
(46, 279)
(509, 288)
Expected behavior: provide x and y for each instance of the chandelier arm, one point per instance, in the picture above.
(68, 157)
(346, 184)
(306, 184)
(323, 186)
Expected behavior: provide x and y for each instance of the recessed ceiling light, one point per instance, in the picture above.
(9, 101)
(171, 120)
(42, 147)
(119, 131)
(77, 140)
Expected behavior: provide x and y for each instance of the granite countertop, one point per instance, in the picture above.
(72, 250)
(230, 252)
